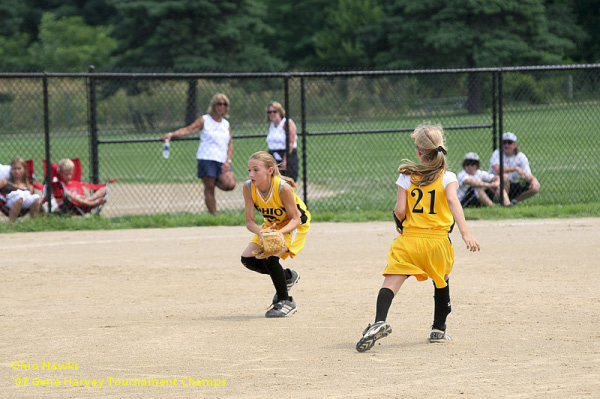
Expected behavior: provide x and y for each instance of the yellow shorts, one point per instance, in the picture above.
(294, 240)
(423, 255)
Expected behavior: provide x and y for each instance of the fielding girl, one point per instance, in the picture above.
(429, 207)
(273, 196)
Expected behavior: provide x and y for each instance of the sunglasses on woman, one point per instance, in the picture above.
(222, 104)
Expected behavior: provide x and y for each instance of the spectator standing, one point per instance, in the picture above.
(215, 152)
(276, 140)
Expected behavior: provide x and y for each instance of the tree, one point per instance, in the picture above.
(588, 14)
(465, 33)
(13, 53)
(11, 15)
(337, 45)
(294, 24)
(68, 44)
(193, 35)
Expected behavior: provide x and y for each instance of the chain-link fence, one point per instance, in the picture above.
(353, 129)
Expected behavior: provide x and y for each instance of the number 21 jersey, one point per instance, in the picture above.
(427, 206)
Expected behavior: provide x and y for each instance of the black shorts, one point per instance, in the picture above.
(470, 199)
(516, 189)
(292, 163)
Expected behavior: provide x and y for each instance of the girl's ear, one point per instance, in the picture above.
(271, 170)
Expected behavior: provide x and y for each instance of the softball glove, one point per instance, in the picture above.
(272, 242)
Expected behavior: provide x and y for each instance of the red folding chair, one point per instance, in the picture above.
(68, 204)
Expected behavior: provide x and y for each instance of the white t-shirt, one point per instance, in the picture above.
(276, 136)
(519, 160)
(4, 171)
(214, 140)
(404, 180)
(464, 187)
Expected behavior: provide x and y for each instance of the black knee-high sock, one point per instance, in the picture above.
(443, 307)
(277, 276)
(384, 301)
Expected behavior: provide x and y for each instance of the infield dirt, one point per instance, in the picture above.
(177, 305)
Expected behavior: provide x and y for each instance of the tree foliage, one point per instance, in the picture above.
(588, 17)
(262, 35)
(199, 35)
(337, 45)
(294, 24)
(68, 44)
(465, 33)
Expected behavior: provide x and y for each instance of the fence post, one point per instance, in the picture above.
(494, 109)
(500, 133)
(190, 109)
(286, 126)
(47, 143)
(93, 126)
(304, 139)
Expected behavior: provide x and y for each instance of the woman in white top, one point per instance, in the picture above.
(287, 160)
(215, 150)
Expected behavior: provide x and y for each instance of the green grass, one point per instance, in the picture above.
(161, 221)
(94, 222)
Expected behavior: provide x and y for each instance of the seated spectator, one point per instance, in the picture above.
(76, 192)
(19, 191)
(475, 187)
(517, 174)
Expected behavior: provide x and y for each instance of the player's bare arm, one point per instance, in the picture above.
(287, 195)
(459, 217)
(249, 212)
(292, 128)
(197, 125)
(400, 208)
(478, 183)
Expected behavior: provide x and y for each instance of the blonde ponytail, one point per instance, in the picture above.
(431, 144)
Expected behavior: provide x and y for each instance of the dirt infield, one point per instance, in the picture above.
(176, 306)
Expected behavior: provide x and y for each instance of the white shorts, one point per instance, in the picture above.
(28, 198)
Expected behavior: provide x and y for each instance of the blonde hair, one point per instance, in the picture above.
(20, 161)
(65, 165)
(278, 107)
(215, 99)
(268, 160)
(431, 144)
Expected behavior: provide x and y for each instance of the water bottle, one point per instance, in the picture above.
(166, 149)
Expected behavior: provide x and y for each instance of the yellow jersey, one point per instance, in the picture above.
(427, 206)
(271, 206)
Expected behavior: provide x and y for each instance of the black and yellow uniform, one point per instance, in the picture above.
(424, 249)
(270, 205)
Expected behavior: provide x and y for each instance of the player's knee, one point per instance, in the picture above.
(256, 265)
